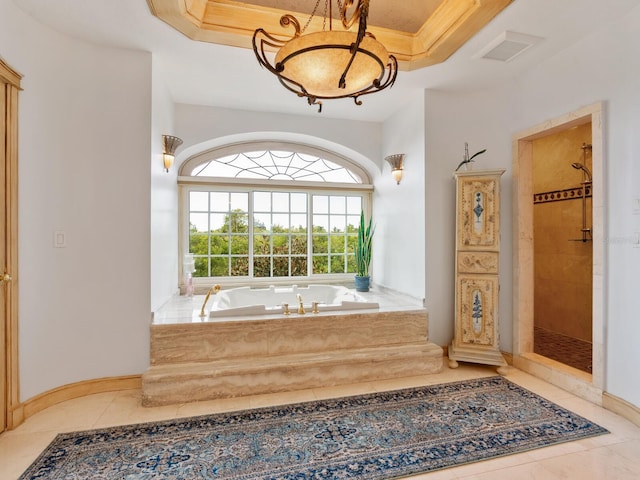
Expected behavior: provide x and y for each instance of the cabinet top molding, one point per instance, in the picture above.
(479, 173)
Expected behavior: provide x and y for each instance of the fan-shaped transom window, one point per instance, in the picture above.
(271, 212)
(276, 165)
(275, 161)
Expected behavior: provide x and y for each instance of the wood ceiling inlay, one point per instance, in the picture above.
(418, 32)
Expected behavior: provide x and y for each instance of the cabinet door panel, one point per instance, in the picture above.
(477, 306)
(478, 214)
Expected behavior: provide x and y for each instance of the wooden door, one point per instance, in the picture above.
(10, 414)
(4, 285)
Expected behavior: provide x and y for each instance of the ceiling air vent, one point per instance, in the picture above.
(507, 46)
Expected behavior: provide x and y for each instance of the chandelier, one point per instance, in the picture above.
(329, 64)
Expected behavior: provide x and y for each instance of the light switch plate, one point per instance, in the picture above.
(59, 239)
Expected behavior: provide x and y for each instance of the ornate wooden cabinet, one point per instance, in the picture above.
(476, 337)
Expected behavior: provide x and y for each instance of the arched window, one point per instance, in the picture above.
(265, 211)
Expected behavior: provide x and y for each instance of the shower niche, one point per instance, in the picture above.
(476, 331)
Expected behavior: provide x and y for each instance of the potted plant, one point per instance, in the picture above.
(363, 254)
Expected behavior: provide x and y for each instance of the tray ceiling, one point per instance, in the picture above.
(418, 32)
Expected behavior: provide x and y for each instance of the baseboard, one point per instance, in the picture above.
(508, 357)
(621, 407)
(73, 390)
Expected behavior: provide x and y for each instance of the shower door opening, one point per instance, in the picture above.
(587, 234)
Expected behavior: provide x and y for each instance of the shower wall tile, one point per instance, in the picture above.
(553, 156)
(562, 264)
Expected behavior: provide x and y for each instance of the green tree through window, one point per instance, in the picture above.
(276, 242)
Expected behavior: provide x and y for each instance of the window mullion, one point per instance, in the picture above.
(309, 235)
(250, 228)
(209, 234)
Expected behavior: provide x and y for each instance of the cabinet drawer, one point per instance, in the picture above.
(478, 262)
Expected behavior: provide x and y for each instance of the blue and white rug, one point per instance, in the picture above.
(376, 436)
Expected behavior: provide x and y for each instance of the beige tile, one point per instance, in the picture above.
(556, 450)
(77, 414)
(527, 471)
(271, 399)
(477, 468)
(615, 456)
(126, 408)
(214, 406)
(595, 464)
(400, 383)
(19, 450)
(538, 386)
(339, 391)
(446, 474)
(629, 450)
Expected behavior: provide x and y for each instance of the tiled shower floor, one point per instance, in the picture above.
(570, 351)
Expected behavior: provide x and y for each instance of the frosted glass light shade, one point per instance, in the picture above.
(168, 161)
(316, 61)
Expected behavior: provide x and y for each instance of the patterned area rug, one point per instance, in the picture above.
(376, 436)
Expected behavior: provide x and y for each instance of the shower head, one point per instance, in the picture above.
(579, 166)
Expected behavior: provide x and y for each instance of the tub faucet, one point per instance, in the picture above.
(300, 305)
(215, 289)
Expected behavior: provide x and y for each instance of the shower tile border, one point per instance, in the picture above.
(574, 193)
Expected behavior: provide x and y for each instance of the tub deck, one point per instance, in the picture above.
(193, 360)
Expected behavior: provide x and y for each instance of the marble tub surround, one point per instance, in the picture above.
(183, 309)
(202, 359)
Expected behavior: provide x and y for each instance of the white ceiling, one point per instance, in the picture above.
(207, 74)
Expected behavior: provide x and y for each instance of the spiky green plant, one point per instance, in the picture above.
(363, 250)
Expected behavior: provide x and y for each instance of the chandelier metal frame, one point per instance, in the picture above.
(263, 42)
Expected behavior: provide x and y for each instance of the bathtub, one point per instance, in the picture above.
(267, 301)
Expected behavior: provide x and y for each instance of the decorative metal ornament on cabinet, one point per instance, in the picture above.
(328, 64)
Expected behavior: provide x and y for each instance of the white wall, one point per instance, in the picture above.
(196, 125)
(482, 119)
(164, 199)
(399, 244)
(605, 66)
(84, 130)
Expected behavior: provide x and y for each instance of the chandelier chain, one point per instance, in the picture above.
(311, 16)
(327, 7)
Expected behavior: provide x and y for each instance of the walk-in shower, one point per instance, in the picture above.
(563, 247)
(586, 189)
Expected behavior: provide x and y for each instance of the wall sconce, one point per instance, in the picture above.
(169, 146)
(396, 166)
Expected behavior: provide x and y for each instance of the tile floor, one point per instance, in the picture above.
(615, 456)
(561, 348)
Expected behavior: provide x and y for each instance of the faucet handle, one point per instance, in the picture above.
(285, 308)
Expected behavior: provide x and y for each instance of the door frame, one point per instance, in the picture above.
(13, 413)
(588, 386)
